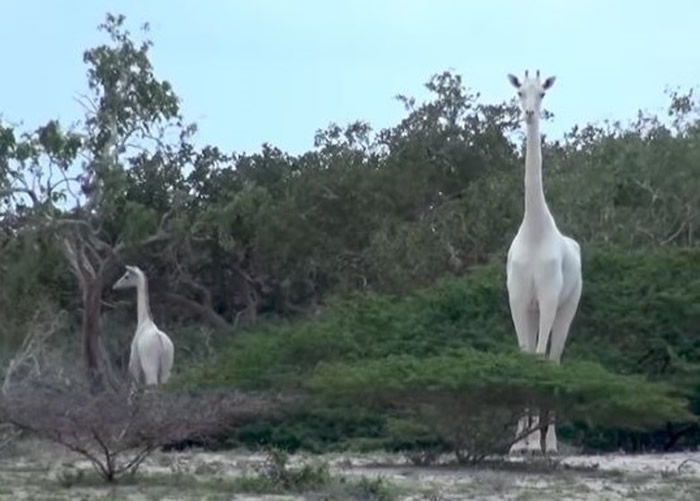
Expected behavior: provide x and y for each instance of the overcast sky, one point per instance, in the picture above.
(276, 70)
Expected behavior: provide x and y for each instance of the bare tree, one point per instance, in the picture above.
(29, 358)
(116, 430)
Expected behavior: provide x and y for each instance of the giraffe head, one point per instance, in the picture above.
(531, 91)
(130, 278)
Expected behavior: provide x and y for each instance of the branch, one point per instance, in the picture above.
(39, 330)
(137, 459)
(161, 236)
(205, 311)
(186, 279)
(105, 450)
(87, 103)
(675, 234)
(67, 181)
(681, 227)
(57, 437)
(9, 192)
(73, 260)
(685, 462)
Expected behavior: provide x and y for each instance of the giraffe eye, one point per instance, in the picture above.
(541, 95)
(520, 93)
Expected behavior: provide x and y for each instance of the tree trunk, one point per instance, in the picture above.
(96, 364)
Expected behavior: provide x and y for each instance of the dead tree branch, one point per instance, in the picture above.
(115, 432)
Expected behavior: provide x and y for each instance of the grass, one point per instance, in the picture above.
(192, 486)
(44, 475)
(207, 480)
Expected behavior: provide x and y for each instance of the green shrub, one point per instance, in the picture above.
(317, 429)
(453, 314)
(638, 315)
(471, 399)
(636, 306)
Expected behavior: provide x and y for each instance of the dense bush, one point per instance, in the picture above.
(638, 314)
(472, 400)
(640, 294)
(455, 313)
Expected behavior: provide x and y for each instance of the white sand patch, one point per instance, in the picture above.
(642, 463)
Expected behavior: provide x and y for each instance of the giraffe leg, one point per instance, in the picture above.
(525, 323)
(560, 332)
(550, 445)
(562, 324)
(547, 317)
(549, 279)
(521, 446)
(150, 373)
(548, 313)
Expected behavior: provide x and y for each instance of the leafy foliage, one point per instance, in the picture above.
(402, 333)
(472, 399)
(367, 326)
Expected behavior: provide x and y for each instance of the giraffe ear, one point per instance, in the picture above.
(514, 81)
(548, 83)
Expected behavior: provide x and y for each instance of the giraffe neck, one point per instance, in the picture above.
(537, 216)
(143, 307)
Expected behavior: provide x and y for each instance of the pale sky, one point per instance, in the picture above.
(275, 71)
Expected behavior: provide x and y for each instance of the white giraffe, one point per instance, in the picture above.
(543, 266)
(151, 357)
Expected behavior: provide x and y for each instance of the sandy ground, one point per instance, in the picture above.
(35, 471)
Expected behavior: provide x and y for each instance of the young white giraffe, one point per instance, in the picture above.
(151, 357)
(543, 266)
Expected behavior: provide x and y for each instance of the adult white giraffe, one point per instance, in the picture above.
(152, 352)
(543, 266)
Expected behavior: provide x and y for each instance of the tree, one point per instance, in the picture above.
(129, 116)
(472, 400)
(115, 430)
